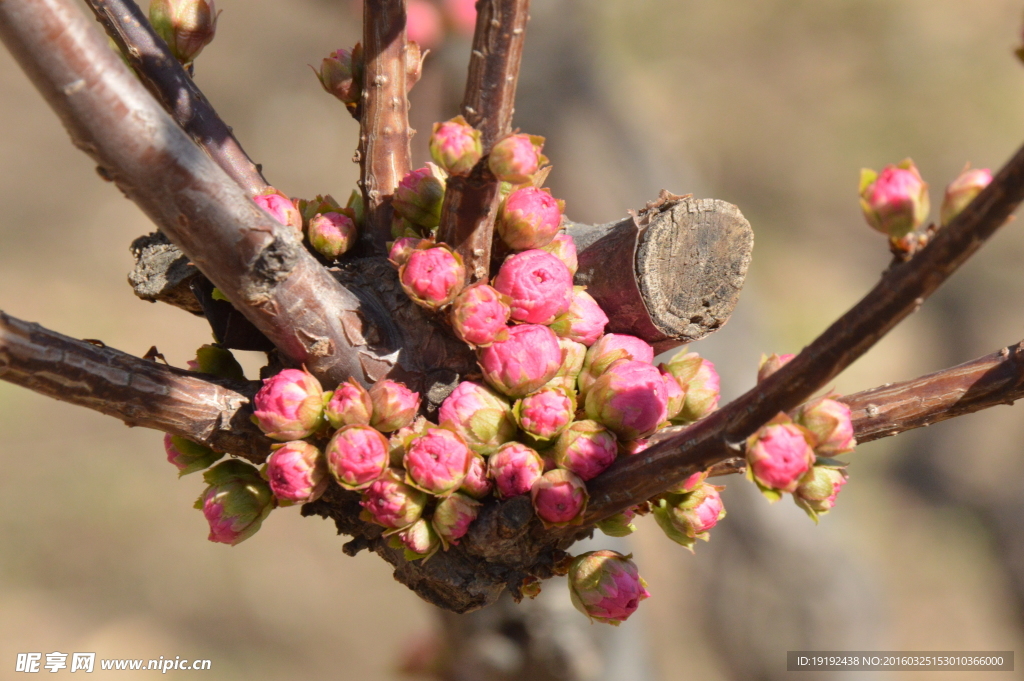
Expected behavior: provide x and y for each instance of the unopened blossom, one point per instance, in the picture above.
(674, 394)
(607, 350)
(456, 146)
(297, 473)
(290, 405)
(480, 415)
(770, 364)
(332, 234)
(545, 413)
(524, 362)
(236, 502)
(778, 457)
(559, 498)
(606, 586)
(538, 285)
(281, 208)
(187, 456)
(895, 201)
(477, 484)
(563, 247)
(390, 502)
(514, 468)
(962, 191)
(419, 540)
(830, 422)
(357, 455)
(529, 218)
(402, 248)
(394, 405)
(341, 75)
(586, 448)
(437, 461)
(187, 26)
(686, 518)
(620, 524)
(698, 378)
(350, 404)
(419, 195)
(629, 399)
(817, 492)
(583, 322)
(432, 277)
(516, 158)
(453, 516)
(480, 315)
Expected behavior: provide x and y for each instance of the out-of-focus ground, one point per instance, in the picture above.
(774, 106)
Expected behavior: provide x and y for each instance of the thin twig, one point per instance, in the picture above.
(166, 80)
(384, 132)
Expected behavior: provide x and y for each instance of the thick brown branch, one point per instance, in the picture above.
(166, 80)
(384, 132)
(257, 263)
(214, 412)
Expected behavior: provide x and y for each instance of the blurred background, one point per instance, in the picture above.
(773, 106)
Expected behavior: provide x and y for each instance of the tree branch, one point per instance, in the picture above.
(384, 132)
(168, 82)
(211, 411)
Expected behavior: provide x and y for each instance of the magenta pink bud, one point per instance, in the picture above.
(432, 277)
(699, 380)
(403, 247)
(538, 284)
(778, 457)
(394, 405)
(895, 201)
(236, 502)
(419, 540)
(419, 195)
(280, 208)
(187, 26)
(559, 498)
(514, 468)
(545, 413)
(528, 359)
(606, 586)
(341, 74)
(456, 146)
(482, 417)
(392, 503)
(674, 393)
(357, 455)
(691, 483)
(480, 315)
(609, 349)
(453, 516)
(564, 248)
(332, 234)
(962, 191)
(584, 321)
(586, 448)
(187, 456)
(687, 517)
(477, 484)
(350, 404)
(770, 364)
(830, 422)
(290, 405)
(297, 473)
(817, 493)
(529, 218)
(629, 398)
(437, 461)
(516, 158)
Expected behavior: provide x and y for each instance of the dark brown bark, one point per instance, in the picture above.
(168, 82)
(467, 218)
(384, 131)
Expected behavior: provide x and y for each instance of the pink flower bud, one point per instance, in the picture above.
(297, 473)
(419, 195)
(691, 483)
(187, 456)
(455, 145)
(403, 247)
(698, 378)
(675, 395)
(545, 413)
(559, 498)
(629, 399)
(341, 75)
(831, 425)
(187, 26)
(453, 516)
(280, 208)
(962, 191)
(419, 540)
(423, 23)
(482, 417)
(477, 484)
(236, 501)
(437, 461)
(217, 361)
(778, 457)
(350, 404)
(538, 284)
(819, 489)
(620, 524)
(895, 201)
(573, 354)
(394, 405)
(770, 364)
(516, 158)
(332, 234)
(432, 277)
(290, 405)
(606, 586)
(514, 468)
(686, 518)
(480, 315)
(529, 218)
(584, 322)
(586, 448)
(609, 349)
(357, 455)
(390, 502)
(523, 363)
(564, 248)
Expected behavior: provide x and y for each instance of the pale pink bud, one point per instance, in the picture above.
(564, 248)
(453, 516)
(477, 484)
(402, 248)
(691, 483)
(675, 395)
(419, 195)
(297, 473)
(830, 422)
(423, 23)
(698, 378)
(819, 489)
(350, 404)
(514, 468)
(419, 540)
(609, 349)
(481, 416)
(480, 315)
(280, 208)
(559, 498)
(236, 501)
(770, 364)
(187, 456)
(687, 517)
(962, 191)
(456, 146)
(528, 359)
(187, 26)
(394, 405)
(778, 456)
(606, 586)
(620, 524)
(529, 218)
(895, 201)
(545, 413)
(629, 398)
(584, 322)
(341, 75)
(586, 448)
(516, 158)
(437, 461)
(357, 455)
(432, 277)
(538, 284)
(573, 354)
(332, 234)
(290, 405)
(392, 503)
